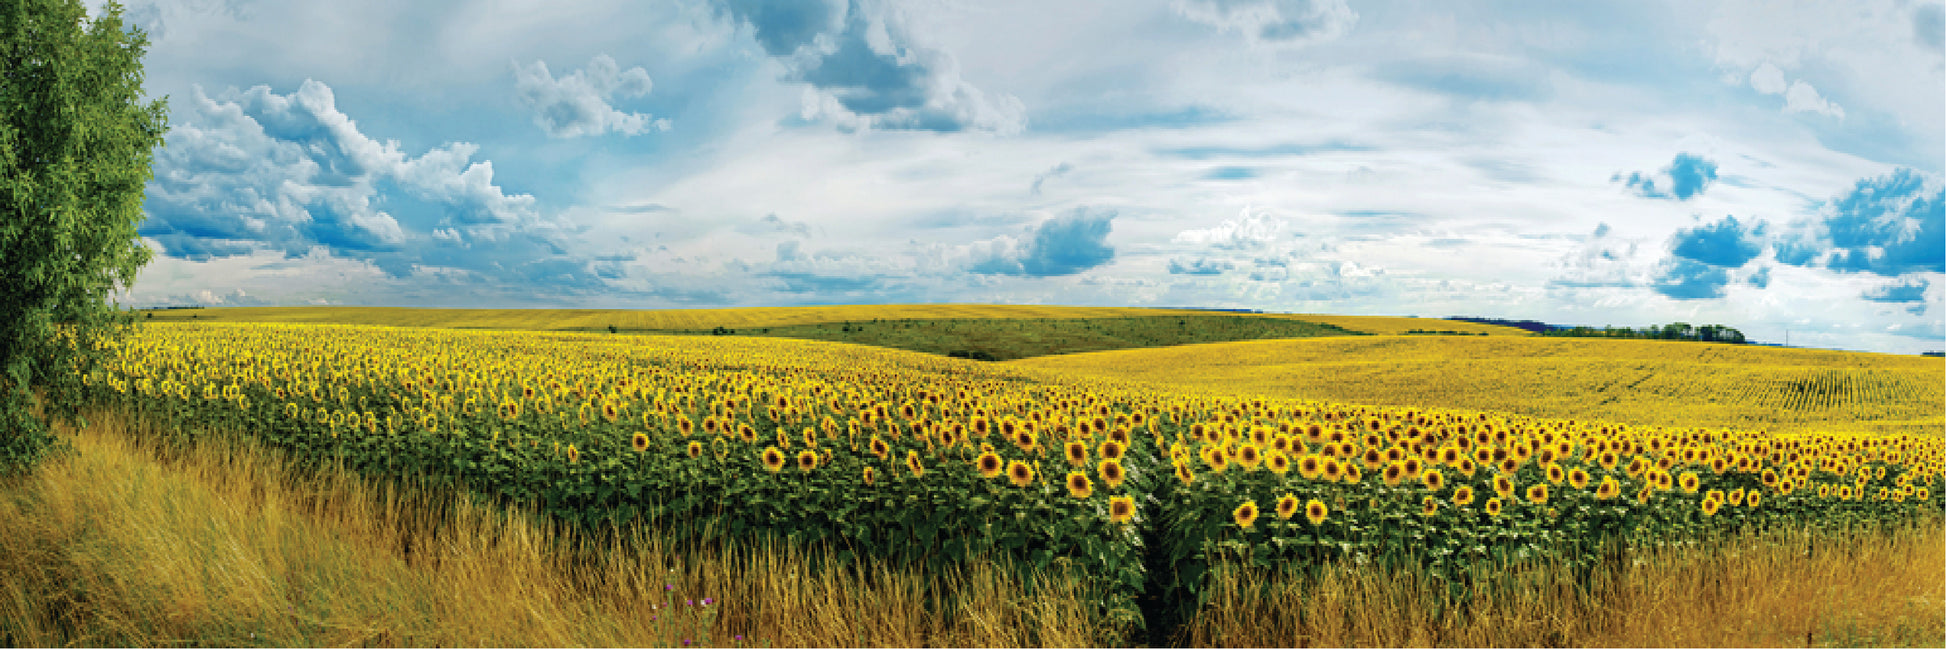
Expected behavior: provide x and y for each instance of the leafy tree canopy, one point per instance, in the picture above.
(76, 141)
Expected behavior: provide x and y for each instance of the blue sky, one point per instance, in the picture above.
(1772, 166)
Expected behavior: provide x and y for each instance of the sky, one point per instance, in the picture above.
(1772, 166)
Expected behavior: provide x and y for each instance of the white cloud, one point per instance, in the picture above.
(1246, 232)
(576, 105)
(1768, 79)
(1804, 98)
(1276, 22)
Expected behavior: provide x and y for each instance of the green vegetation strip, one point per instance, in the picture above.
(994, 339)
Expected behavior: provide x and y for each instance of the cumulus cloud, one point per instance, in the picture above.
(1903, 291)
(1246, 232)
(863, 68)
(1686, 177)
(1063, 245)
(1601, 261)
(258, 171)
(1701, 258)
(576, 105)
(1802, 98)
(1888, 225)
(1273, 22)
(1199, 266)
(1799, 96)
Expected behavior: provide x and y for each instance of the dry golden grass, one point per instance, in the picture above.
(704, 319)
(225, 544)
(1756, 591)
(1641, 382)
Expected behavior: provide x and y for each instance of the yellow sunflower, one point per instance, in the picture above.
(773, 459)
(1020, 473)
(1111, 473)
(1077, 453)
(1245, 514)
(1121, 509)
(989, 465)
(1315, 511)
(1079, 486)
(1287, 506)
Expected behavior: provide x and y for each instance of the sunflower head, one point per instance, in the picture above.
(880, 448)
(1537, 493)
(1184, 474)
(1113, 450)
(640, 442)
(1079, 486)
(1077, 453)
(1493, 506)
(1429, 506)
(1121, 509)
(1394, 472)
(1463, 495)
(695, 449)
(912, 464)
(1278, 462)
(989, 465)
(1287, 506)
(807, 460)
(1710, 505)
(1609, 488)
(1433, 480)
(1735, 496)
(1245, 514)
(1555, 474)
(871, 476)
(1020, 473)
(1248, 456)
(574, 454)
(773, 459)
(1578, 478)
(1315, 511)
(1310, 466)
(1751, 499)
(1111, 473)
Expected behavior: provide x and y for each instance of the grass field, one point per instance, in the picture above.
(1014, 338)
(1643, 382)
(704, 320)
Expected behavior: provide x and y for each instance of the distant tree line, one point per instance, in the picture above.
(1672, 331)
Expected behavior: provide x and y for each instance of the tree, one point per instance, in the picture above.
(75, 148)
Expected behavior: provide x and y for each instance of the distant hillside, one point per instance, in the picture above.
(1643, 382)
(705, 320)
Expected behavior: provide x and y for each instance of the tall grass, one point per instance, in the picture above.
(1778, 589)
(125, 543)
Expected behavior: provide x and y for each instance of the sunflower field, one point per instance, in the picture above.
(906, 458)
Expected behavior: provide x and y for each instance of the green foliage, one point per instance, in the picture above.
(75, 148)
